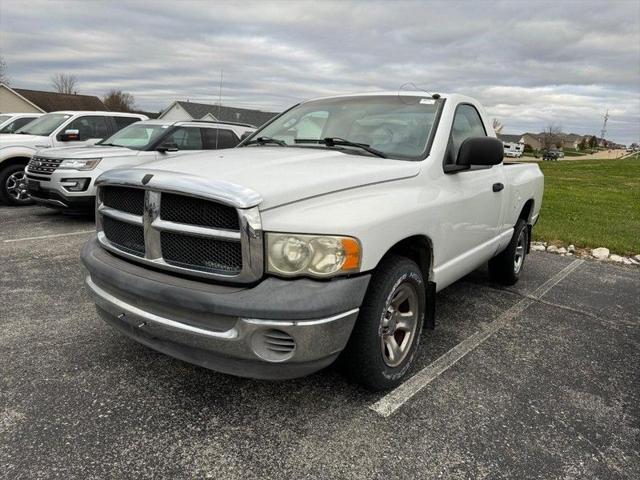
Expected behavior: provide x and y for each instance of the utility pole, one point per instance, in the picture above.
(603, 132)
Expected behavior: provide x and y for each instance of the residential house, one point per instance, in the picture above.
(180, 110)
(20, 100)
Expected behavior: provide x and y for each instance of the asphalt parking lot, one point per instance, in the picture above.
(541, 380)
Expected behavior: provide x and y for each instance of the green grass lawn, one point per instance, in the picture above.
(591, 203)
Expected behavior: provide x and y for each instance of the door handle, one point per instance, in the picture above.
(497, 187)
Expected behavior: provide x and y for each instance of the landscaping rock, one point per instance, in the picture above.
(552, 249)
(571, 248)
(562, 250)
(616, 258)
(634, 261)
(537, 248)
(600, 253)
(636, 258)
(627, 261)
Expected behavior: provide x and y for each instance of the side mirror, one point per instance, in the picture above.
(70, 135)
(480, 151)
(167, 147)
(245, 135)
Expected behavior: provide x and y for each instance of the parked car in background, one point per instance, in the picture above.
(11, 122)
(325, 233)
(64, 178)
(550, 155)
(513, 149)
(56, 129)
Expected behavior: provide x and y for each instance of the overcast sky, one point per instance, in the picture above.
(531, 63)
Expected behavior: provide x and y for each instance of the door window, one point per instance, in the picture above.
(217, 138)
(466, 124)
(11, 127)
(186, 138)
(122, 122)
(89, 127)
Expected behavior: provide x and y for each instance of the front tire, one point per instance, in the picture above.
(506, 267)
(386, 335)
(13, 190)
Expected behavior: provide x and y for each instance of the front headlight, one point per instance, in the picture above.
(84, 164)
(292, 254)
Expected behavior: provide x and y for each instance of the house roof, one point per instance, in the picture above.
(509, 138)
(53, 101)
(226, 114)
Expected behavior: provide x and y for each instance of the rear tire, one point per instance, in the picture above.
(386, 335)
(506, 267)
(12, 191)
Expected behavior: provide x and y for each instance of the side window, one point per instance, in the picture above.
(186, 138)
(219, 138)
(90, 127)
(122, 122)
(16, 124)
(466, 124)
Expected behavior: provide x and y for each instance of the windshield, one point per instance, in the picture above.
(398, 126)
(45, 125)
(136, 136)
(4, 118)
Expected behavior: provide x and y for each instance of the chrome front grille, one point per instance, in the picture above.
(179, 232)
(44, 166)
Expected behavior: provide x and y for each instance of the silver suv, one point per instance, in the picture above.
(64, 178)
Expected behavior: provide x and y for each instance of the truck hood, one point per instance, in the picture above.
(19, 140)
(283, 175)
(91, 151)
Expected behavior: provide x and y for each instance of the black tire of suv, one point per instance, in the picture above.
(362, 360)
(5, 173)
(502, 267)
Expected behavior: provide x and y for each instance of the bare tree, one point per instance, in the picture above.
(497, 125)
(119, 101)
(64, 83)
(4, 78)
(552, 137)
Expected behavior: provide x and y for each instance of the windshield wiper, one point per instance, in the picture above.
(338, 142)
(265, 140)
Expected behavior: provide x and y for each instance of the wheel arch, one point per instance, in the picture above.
(419, 248)
(527, 211)
(16, 160)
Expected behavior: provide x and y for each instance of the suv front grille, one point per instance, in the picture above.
(44, 166)
(190, 235)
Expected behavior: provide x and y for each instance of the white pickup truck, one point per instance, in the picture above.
(325, 234)
(55, 129)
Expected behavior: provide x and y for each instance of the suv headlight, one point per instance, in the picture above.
(292, 254)
(84, 164)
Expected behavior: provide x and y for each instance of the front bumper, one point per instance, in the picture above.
(277, 329)
(50, 190)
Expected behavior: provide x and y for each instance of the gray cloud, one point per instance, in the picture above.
(531, 63)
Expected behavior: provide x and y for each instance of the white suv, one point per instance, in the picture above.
(55, 129)
(12, 122)
(64, 178)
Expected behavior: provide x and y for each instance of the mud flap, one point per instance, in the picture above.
(430, 314)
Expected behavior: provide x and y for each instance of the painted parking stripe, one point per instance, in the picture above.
(391, 402)
(48, 236)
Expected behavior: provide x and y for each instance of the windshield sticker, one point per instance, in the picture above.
(165, 126)
(427, 101)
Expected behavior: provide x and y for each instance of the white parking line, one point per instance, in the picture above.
(391, 402)
(48, 236)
